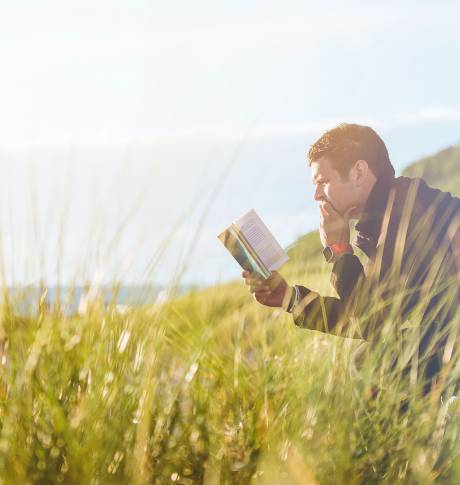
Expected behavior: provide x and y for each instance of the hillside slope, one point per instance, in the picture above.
(441, 170)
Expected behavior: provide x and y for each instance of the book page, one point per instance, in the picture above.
(262, 240)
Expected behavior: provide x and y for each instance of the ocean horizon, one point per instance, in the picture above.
(76, 299)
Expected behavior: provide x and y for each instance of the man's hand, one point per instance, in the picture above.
(274, 291)
(334, 228)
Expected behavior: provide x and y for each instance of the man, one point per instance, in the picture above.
(408, 234)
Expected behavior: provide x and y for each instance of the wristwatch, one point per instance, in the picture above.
(334, 251)
(295, 297)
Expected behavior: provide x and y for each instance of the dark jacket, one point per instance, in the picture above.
(405, 236)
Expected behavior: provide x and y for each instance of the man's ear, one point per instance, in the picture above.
(359, 171)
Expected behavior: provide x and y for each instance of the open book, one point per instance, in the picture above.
(253, 245)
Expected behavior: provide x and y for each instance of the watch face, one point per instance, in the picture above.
(328, 254)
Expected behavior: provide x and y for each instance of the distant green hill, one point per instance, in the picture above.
(441, 170)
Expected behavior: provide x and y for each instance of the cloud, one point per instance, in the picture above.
(431, 114)
(255, 131)
(231, 133)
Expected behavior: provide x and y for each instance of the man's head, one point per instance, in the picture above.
(345, 163)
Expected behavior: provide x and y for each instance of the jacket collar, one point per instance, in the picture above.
(369, 225)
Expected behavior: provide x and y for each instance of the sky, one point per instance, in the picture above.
(129, 126)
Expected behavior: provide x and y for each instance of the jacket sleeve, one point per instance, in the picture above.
(347, 274)
(329, 314)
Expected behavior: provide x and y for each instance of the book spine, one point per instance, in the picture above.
(264, 270)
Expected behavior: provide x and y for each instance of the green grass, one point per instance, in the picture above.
(210, 388)
(213, 388)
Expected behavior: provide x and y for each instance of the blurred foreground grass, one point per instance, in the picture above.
(210, 388)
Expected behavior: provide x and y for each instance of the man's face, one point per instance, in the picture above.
(330, 187)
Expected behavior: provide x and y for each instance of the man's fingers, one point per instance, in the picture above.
(249, 274)
(259, 289)
(324, 210)
(254, 282)
(348, 212)
(254, 279)
(261, 297)
(262, 289)
(330, 211)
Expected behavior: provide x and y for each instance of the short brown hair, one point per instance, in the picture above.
(347, 143)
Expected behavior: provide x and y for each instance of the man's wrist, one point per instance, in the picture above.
(334, 251)
(289, 295)
(295, 296)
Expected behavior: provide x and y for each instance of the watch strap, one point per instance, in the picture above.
(341, 248)
(334, 251)
(295, 297)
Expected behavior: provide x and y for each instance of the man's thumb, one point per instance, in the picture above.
(348, 212)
